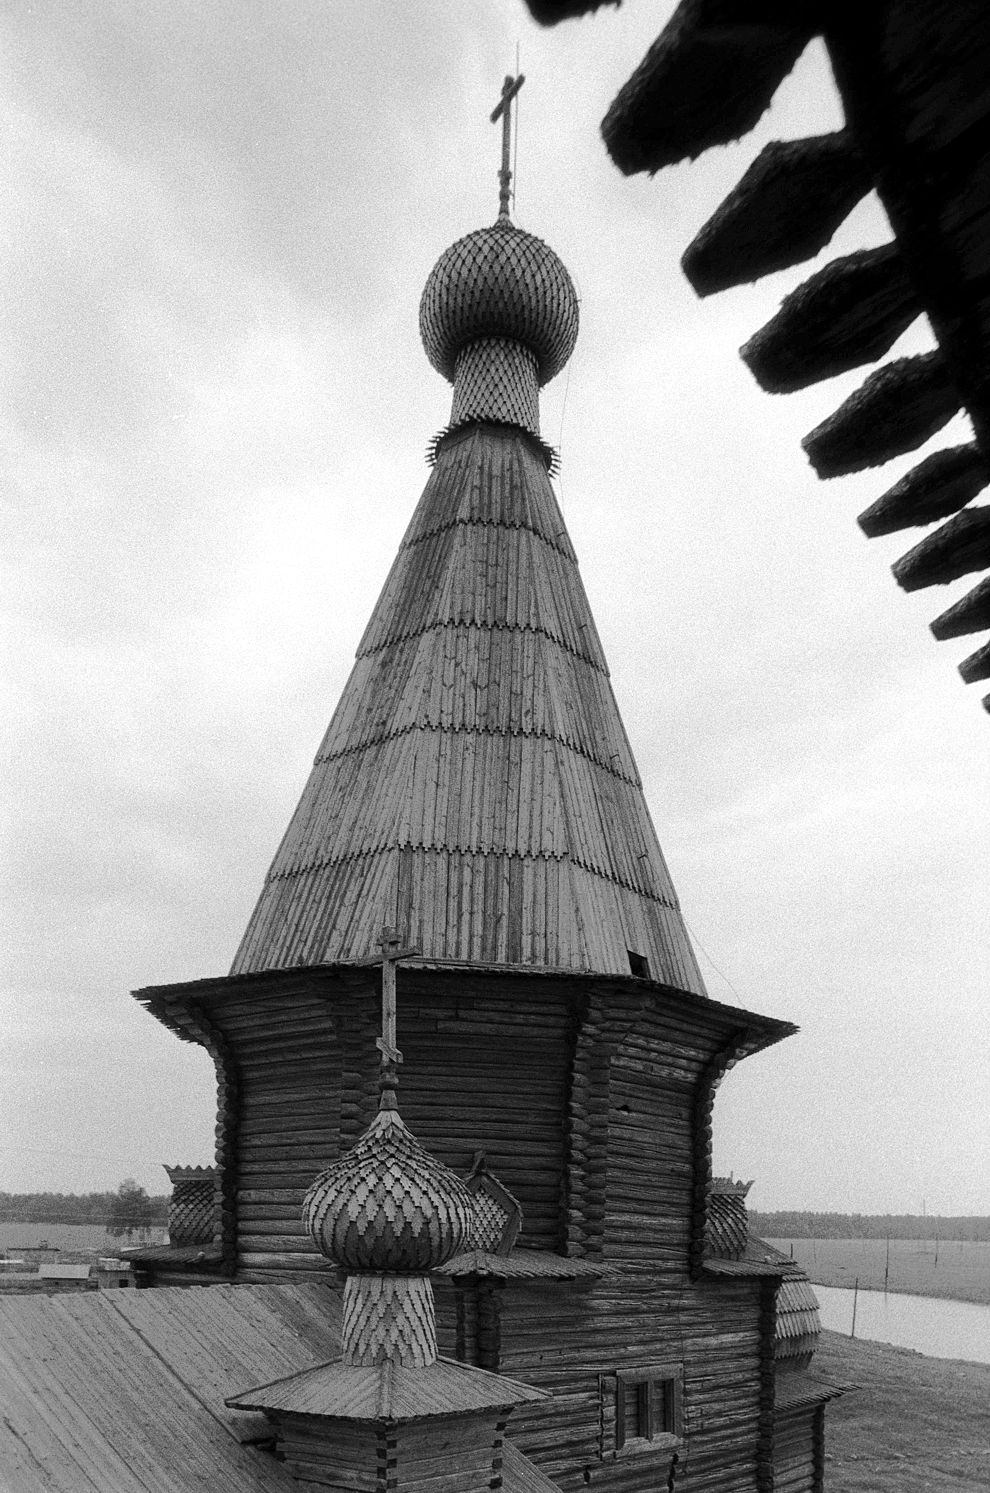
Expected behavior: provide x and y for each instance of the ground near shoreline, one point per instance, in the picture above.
(949, 1269)
(914, 1423)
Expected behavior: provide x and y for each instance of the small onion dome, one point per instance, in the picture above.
(388, 1206)
(499, 282)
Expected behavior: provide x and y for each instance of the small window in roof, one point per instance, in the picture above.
(639, 964)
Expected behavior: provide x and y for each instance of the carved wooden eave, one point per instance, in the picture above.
(784, 210)
(959, 547)
(970, 614)
(848, 314)
(737, 53)
(937, 487)
(915, 86)
(896, 409)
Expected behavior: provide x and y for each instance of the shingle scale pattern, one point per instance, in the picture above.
(499, 282)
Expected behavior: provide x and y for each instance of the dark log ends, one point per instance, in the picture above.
(702, 83)
(783, 211)
(897, 409)
(550, 12)
(849, 313)
(937, 487)
(959, 547)
(976, 666)
(970, 614)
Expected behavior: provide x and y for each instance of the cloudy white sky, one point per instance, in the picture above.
(219, 218)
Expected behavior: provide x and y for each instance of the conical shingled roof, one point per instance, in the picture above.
(475, 786)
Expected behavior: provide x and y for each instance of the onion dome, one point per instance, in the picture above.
(499, 282)
(388, 1205)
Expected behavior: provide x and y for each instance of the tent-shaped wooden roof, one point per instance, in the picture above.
(476, 788)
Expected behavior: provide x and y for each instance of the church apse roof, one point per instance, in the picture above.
(476, 787)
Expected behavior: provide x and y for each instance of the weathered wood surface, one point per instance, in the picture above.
(977, 665)
(938, 486)
(784, 210)
(592, 1099)
(959, 547)
(476, 788)
(970, 614)
(664, 112)
(849, 313)
(117, 1391)
(896, 409)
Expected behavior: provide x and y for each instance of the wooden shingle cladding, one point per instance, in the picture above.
(476, 787)
(914, 81)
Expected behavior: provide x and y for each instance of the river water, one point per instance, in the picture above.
(942, 1329)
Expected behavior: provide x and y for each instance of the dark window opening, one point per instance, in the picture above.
(639, 964)
(647, 1406)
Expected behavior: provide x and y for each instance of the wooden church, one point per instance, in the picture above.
(540, 1266)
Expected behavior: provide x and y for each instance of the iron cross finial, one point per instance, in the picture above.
(393, 949)
(503, 111)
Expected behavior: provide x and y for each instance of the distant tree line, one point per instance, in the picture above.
(120, 1212)
(801, 1225)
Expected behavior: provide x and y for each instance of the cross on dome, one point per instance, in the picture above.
(503, 111)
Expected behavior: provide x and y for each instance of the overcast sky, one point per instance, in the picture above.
(219, 219)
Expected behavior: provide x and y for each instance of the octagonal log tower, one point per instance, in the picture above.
(476, 793)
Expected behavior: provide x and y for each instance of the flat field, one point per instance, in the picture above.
(71, 1237)
(914, 1423)
(953, 1269)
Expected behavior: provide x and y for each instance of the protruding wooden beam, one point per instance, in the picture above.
(976, 666)
(849, 313)
(957, 548)
(970, 614)
(897, 409)
(706, 80)
(783, 211)
(549, 12)
(941, 484)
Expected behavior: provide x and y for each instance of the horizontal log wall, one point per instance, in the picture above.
(485, 1069)
(586, 1102)
(572, 1339)
(794, 1450)
(289, 1121)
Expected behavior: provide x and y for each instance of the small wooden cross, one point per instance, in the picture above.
(503, 111)
(393, 950)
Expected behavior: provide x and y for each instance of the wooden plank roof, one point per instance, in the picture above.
(476, 787)
(123, 1391)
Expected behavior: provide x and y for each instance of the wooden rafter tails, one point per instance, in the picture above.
(937, 487)
(958, 548)
(897, 409)
(849, 313)
(549, 12)
(706, 80)
(783, 211)
(970, 614)
(977, 665)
